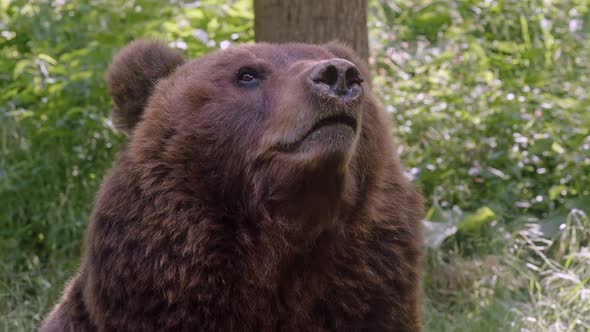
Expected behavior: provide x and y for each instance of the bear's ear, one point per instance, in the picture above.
(342, 51)
(132, 77)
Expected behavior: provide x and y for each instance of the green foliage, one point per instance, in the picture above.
(494, 108)
(490, 101)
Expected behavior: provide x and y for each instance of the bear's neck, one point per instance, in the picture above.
(273, 229)
(295, 228)
(283, 250)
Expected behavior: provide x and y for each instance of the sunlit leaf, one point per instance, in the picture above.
(477, 220)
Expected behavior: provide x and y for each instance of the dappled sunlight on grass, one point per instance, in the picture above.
(490, 102)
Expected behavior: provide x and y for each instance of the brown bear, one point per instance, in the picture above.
(259, 191)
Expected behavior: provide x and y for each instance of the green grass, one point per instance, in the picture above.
(490, 104)
(492, 116)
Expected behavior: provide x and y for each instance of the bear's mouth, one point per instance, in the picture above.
(334, 120)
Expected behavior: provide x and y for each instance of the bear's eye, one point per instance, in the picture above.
(248, 77)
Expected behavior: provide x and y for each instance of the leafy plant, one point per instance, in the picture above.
(490, 102)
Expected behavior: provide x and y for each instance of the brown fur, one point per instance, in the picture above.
(133, 75)
(207, 222)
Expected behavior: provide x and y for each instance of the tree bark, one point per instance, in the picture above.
(313, 21)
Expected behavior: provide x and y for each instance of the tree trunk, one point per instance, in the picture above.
(313, 21)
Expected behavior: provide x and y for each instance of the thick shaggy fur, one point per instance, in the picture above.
(207, 222)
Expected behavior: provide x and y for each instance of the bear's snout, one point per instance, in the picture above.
(336, 78)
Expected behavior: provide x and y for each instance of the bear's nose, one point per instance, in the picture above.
(337, 77)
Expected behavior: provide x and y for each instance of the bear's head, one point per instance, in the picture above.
(286, 131)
